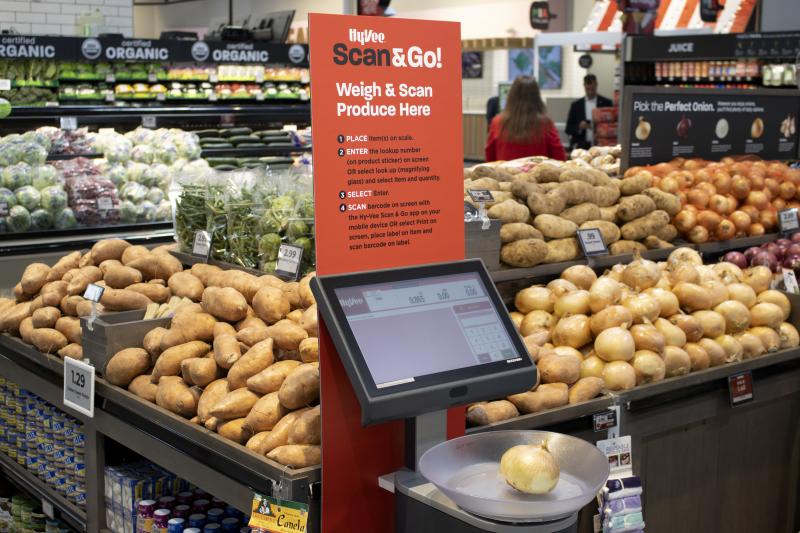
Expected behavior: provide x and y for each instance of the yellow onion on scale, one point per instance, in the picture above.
(530, 468)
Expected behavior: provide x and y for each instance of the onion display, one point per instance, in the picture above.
(615, 344)
(530, 469)
(619, 375)
(736, 258)
(648, 366)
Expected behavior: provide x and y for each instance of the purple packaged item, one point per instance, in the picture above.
(175, 525)
(200, 506)
(144, 516)
(185, 498)
(161, 520)
(622, 488)
(166, 502)
(181, 511)
(622, 506)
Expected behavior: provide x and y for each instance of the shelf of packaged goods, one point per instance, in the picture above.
(51, 241)
(28, 482)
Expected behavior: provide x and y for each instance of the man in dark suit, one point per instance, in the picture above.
(579, 121)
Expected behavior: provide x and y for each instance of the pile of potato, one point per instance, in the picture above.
(726, 199)
(640, 323)
(542, 209)
(240, 356)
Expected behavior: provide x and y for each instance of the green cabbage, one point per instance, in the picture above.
(28, 197)
(54, 198)
(18, 219)
(65, 219)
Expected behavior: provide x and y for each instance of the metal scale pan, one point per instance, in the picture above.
(467, 470)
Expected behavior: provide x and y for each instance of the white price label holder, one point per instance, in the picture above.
(47, 509)
(790, 281)
(68, 123)
(161, 97)
(109, 97)
(5, 85)
(151, 77)
(149, 121)
(213, 77)
(290, 258)
(480, 197)
(202, 245)
(93, 293)
(104, 203)
(110, 78)
(788, 221)
(79, 386)
(592, 244)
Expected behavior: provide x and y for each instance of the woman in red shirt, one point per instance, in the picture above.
(523, 129)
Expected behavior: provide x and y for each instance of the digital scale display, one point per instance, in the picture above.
(419, 327)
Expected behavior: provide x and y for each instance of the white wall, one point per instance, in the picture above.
(60, 17)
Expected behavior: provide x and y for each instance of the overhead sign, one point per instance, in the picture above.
(774, 45)
(388, 189)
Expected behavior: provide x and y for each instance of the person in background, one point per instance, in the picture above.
(579, 121)
(492, 110)
(523, 128)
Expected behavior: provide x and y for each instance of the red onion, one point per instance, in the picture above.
(750, 252)
(737, 258)
(767, 259)
(796, 237)
(794, 249)
(784, 243)
(793, 262)
(774, 249)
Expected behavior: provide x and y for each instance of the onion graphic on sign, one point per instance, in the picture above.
(722, 128)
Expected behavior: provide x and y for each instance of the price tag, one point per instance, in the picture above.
(259, 97)
(787, 220)
(212, 97)
(51, 104)
(160, 97)
(790, 281)
(79, 386)
(151, 77)
(289, 259)
(202, 244)
(3, 209)
(213, 77)
(740, 388)
(604, 420)
(470, 213)
(481, 195)
(592, 242)
(106, 131)
(104, 203)
(109, 97)
(279, 516)
(110, 78)
(149, 121)
(5, 85)
(68, 123)
(259, 76)
(47, 509)
(93, 292)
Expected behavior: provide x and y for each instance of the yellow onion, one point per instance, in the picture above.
(573, 303)
(530, 469)
(592, 366)
(706, 273)
(766, 314)
(649, 367)
(533, 298)
(664, 283)
(716, 354)
(733, 348)
(690, 326)
(619, 375)
(612, 316)
(751, 345)
(769, 338)
(667, 302)
(615, 344)
(713, 323)
(572, 331)
(673, 335)
(676, 362)
(728, 273)
(534, 320)
(560, 287)
(684, 273)
(778, 298)
(516, 318)
(648, 337)
(683, 255)
(717, 290)
(641, 274)
(616, 272)
(758, 277)
(741, 292)
(580, 275)
(692, 297)
(604, 292)
(698, 356)
(565, 351)
(643, 308)
(735, 314)
(789, 336)
(539, 337)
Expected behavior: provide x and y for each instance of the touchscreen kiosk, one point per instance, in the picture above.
(424, 338)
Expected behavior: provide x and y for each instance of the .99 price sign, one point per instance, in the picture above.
(290, 258)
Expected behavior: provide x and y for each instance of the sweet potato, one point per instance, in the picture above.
(132, 252)
(556, 368)
(20, 295)
(559, 250)
(246, 284)
(152, 342)
(176, 396)
(25, 330)
(169, 362)
(48, 340)
(524, 253)
(309, 350)
(292, 291)
(287, 335)
(109, 263)
(234, 430)
(64, 265)
(223, 328)
(53, 292)
(37, 303)
(123, 300)
(235, 404)
(224, 303)
(664, 200)
(254, 442)
(84, 308)
(70, 326)
(156, 265)
(11, 318)
(270, 379)
(585, 389)
(608, 230)
(265, 413)
(69, 304)
(212, 394)
(227, 350)
(301, 386)
(581, 213)
(126, 365)
(199, 371)
(155, 292)
(295, 316)
(85, 276)
(72, 350)
(279, 435)
(306, 429)
(256, 359)
(546, 396)
(271, 304)
(481, 414)
(555, 227)
(309, 321)
(297, 455)
(142, 387)
(306, 296)
(34, 277)
(253, 335)
(45, 317)
(86, 260)
(6, 304)
(188, 326)
(108, 249)
(186, 285)
(636, 206)
(119, 277)
(641, 227)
